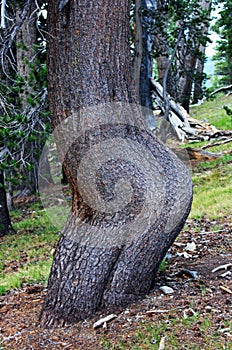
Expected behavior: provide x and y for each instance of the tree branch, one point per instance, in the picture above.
(216, 144)
(223, 88)
(3, 14)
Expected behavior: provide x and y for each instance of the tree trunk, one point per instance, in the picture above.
(143, 60)
(26, 54)
(108, 253)
(5, 223)
(199, 78)
(186, 80)
(163, 50)
(188, 59)
(198, 82)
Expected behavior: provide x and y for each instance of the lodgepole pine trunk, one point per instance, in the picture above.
(108, 255)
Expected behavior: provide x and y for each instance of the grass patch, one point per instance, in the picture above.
(212, 190)
(149, 335)
(28, 274)
(213, 112)
(213, 179)
(26, 257)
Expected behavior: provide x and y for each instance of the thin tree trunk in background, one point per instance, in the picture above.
(106, 258)
(26, 52)
(143, 62)
(186, 79)
(198, 82)
(188, 62)
(26, 66)
(199, 77)
(5, 222)
(138, 51)
(163, 50)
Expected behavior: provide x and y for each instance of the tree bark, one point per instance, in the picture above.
(198, 82)
(186, 78)
(188, 61)
(106, 258)
(5, 222)
(26, 55)
(143, 60)
(163, 50)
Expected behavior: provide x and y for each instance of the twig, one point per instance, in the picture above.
(104, 320)
(162, 344)
(164, 310)
(150, 312)
(222, 267)
(227, 290)
(3, 14)
(211, 232)
(216, 144)
(224, 330)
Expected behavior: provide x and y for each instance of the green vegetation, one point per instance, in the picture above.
(149, 334)
(212, 189)
(213, 179)
(223, 54)
(213, 112)
(27, 256)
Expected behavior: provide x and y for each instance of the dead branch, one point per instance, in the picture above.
(199, 154)
(176, 116)
(3, 14)
(187, 128)
(216, 144)
(223, 88)
(104, 320)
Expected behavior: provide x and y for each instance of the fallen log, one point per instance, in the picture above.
(177, 117)
(195, 154)
(200, 154)
(185, 127)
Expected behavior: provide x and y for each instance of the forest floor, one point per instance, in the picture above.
(195, 314)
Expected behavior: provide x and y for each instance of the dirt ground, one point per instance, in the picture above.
(199, 271)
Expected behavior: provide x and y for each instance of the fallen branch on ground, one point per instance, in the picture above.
(217, 143)
(223, 88)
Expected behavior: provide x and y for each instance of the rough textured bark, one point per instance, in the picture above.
(5, 222)
(114, 260)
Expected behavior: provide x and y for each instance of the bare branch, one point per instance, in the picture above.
(223, 88)
(3, 14)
